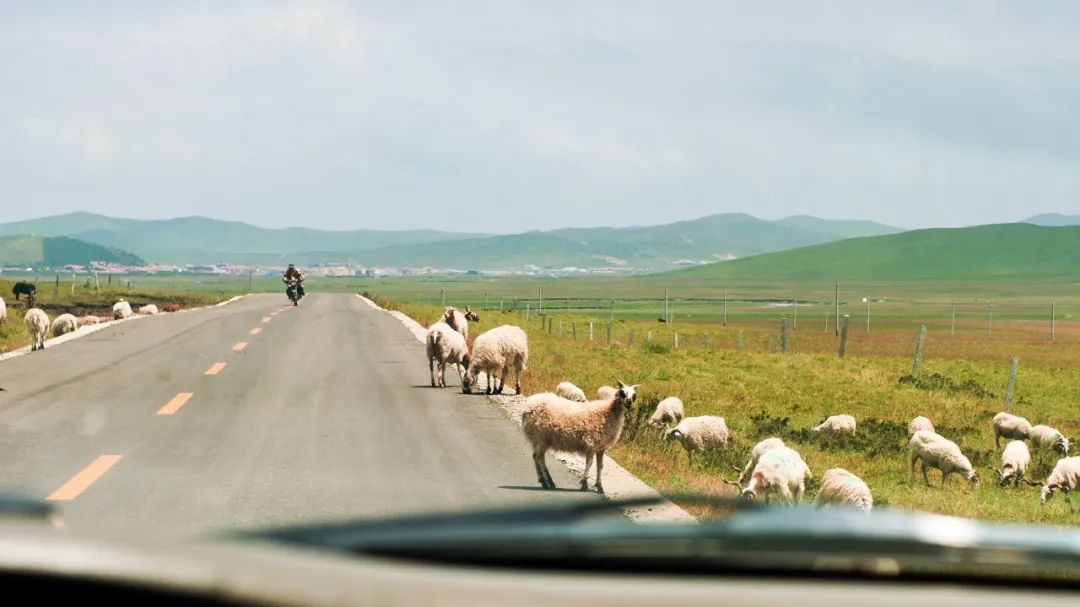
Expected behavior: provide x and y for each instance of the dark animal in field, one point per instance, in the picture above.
(28, 289)
(470, 315)
(173, 307)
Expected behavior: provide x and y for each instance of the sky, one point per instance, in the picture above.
(511, 116)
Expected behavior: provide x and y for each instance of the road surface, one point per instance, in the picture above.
(250, 415)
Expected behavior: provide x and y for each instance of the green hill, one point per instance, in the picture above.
(55, 252)
(982, 253)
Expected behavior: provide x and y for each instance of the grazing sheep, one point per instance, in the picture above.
(588, 429)
(569, 391)
(701, 433)
(1046, 438)
(65, 323)
(1007, 425)
(3, 312)
(470, 315)
(919, 423)
(446, 346)
(497, 351)
(148, 310)
(1014, 462)
(936, 451)
(37, 325)
(1064, 478)
(836, 425)
(456, 320)
(838, 486)
(670, 411)
(172, 307)
(605, 392)
(755, 455)
(121, 309)
(90, 319)
(781, 472)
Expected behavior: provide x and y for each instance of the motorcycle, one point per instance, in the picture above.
(293, 292)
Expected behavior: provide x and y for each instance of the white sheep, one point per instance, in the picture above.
(588, 429)
(705, 432)
(1065, 478)
(569, 391)
(836, 425)
(781, 472)
(919, 423)
(456, 320)
(936, 451)
(1014, 462)
(496, 352)
(755, 454)
(37, 325)
(445, 346)
(1007, 425)
(605, 393)
(1048, 439)
(65, 323)
(148, 310)
(669, 411)
(90, 319)
(838, 486)
(3, 312)
(121, 309)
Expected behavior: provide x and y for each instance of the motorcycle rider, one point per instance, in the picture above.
(291, 273)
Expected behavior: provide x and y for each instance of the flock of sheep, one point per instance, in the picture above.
(565, 420)
(39, 327)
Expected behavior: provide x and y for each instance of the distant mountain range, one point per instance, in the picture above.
(1054, 219)
(55, 252)
(202, 240)
(991, 253)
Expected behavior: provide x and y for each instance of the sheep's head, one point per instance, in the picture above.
(626, 394)
(1062, 446)
(469, 378)
(470, 315)
(1047, 492)
(1007, 472)
(973, 478)
(672, 434)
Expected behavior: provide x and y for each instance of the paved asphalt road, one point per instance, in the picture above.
(326, 414)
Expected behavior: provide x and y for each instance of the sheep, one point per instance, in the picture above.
(936, 451)
(755, 454)
(445, 346)
(90, 319)
(65, 323)
(919, 423)
(3, 312)
(470, 315)
(838, 486)
(836, 425)
(172, 307)
(456, 320)
(1007, 425)
(670, 411)
(37, 325)
(1014, 462)
(588, 429)
(605, 392)
(569, 391)
(148, 310)
(1046, 438)
(699, 434)
(121, 309)
(497, 351)
(779, 471)
(1065, 477)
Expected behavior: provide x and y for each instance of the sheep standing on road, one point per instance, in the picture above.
(1014, 462)
(37, 325)
(701, 433)
(919, 423)
(756, 453)
(779, 472)
(838, 486)
(148, 310)
(496, 352)
(65, 323)
(836, 425)
(445, 346)
(121, 309)
(668, 411)
(1065, 478)
(569, 391)
(936, 451)
(1046, 438)
(1010, 426)
(456, 320)
(587, 429)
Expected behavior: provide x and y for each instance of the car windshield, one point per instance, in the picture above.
(414, 278)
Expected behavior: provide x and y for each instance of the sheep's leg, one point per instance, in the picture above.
(925, 477)
(1068, 501)
(599, 470)
(585, 477)
(944, 475)
(431, 369)
(547, 472)
(442, 374)
(502, 378)
(518, 368)
(785, 494)
(541, 476)
(914, 458)
(800, 491)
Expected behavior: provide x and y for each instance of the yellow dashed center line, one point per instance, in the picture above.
(256, 331)
(266, 319)
(174, 405)
(215, 369)
(81, 481)
(240, 345)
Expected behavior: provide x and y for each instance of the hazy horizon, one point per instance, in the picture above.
(505, 119)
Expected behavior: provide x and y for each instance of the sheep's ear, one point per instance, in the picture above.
(621, 384)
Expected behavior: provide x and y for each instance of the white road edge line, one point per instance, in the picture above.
(619, 483)
(88, 329)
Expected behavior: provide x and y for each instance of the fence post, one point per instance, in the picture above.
(794, 313)
(630, 341)
(500, 305)
(560, 327)
(990, 318)
(648, 337)
(725, 307)
(738, 341)
(836, 303)
(527, 313)
(1014, 366)
(609, 332)
(590, 330)
(56, 289)
(827, 317)
(573, 329)
(705, 341)
(916, 365)
(442, 295)
(1052, 320)
(843, 336)
(485, 300)
(676, 341)
(550, 321)
(540, 300)
(72, 283)
(952, 324)
(783, 334)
